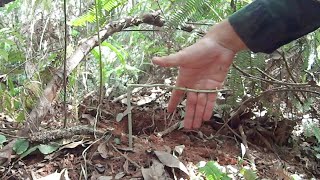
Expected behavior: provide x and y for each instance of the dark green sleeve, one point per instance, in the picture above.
(265, 25)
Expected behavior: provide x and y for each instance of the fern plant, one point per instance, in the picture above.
(105, 7)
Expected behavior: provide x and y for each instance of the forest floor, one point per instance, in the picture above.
(156, 137)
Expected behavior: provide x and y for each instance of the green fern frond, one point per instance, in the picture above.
(191, 9)
(110, 5)
(90, 16)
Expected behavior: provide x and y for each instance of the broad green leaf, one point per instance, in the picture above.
(47, 148)
(29, 151)
(3, 139)
(21, 146)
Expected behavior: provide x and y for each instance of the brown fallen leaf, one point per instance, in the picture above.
(155, 172)
(63, 175)
(103, 151)
(169, 160)
(5, 153)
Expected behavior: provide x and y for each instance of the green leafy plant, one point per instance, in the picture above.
(212, 171)
(90, 16)
(316, 131)
(21, 146)
(3, 139)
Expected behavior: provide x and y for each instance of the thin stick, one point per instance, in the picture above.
(129, 116)
(178, 88)
(244, 141)
(169, 130)
(126, 157)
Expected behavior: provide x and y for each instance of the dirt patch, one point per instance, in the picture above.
(110, 156)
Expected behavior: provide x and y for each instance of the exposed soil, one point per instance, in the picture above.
(110, 156)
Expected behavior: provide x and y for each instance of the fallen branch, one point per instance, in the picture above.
(51, 135)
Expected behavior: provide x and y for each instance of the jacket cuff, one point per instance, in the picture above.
(265, 25)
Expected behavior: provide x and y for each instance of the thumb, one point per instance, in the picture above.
(172, 60)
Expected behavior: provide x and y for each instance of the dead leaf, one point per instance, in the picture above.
(100, 168)
(120, 116)
(155, 172)
(71, 145)
(5, 153)
(147, 99)
(179, 149)
(169, 160)
(105, 178)
(63, 175)
(89, 117)
(126, 166)
(120, 175)
(103, 151)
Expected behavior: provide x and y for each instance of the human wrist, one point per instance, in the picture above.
(224, 34)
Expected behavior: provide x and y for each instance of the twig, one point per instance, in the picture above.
(178, 88)
(273, 81)
(126, 157)
(244, 141)
(129, 90)
(84, 154)
(248, 102)
(264, 73)
(294, 80)
(197, 23)
(169, 130)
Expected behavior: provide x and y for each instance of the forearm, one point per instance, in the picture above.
(265, 25)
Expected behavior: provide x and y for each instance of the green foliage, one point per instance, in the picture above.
(3, 139)
(90, 16)
(21, 146)
(48, 148)
(212, 171)
(316, 131)
(187, 10)
(248, 174)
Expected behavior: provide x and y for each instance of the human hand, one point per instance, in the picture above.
(203, 65)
